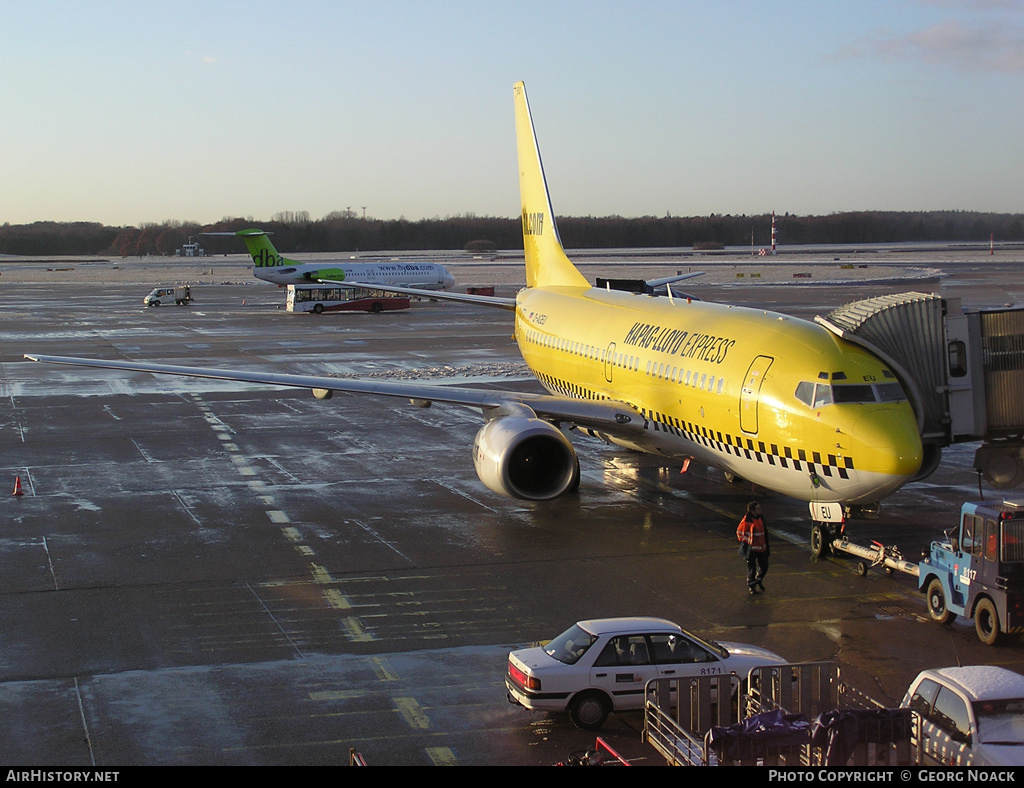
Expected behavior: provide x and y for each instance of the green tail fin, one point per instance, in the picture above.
(262, 251)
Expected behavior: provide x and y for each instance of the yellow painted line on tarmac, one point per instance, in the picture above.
(291, 534)
(383, 669)
(336, 599)
(321, 575)
(412, 712)
(441, 756)
(277, 516)
(356, 632)
(242, 465)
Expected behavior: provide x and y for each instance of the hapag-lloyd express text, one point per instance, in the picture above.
(677, 341)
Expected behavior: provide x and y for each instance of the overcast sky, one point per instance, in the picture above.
(131, 112)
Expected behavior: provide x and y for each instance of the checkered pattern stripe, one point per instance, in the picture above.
(739, 446)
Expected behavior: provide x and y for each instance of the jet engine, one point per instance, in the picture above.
(525, 457)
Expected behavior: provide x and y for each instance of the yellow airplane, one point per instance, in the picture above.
(776, 400)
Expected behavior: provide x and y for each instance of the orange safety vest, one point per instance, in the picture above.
(752, 532)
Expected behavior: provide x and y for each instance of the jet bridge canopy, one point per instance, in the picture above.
(963, 371)
(906, 331)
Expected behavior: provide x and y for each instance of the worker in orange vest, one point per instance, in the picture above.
(753, 538)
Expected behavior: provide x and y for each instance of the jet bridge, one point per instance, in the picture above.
(962, 370)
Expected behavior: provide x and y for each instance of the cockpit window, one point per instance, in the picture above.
(822, 395)
(853, 393)
(890, 392)
(816, 395)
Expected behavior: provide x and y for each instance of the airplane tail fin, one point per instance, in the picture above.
(262, 251)
(546, 263)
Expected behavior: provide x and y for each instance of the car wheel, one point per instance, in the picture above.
(154, 303)
(318, 309)
(377, 308)
(986, 622)
(589, 710)
(936, 600)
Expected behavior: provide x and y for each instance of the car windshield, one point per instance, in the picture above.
(1000, 721)
(570, 645)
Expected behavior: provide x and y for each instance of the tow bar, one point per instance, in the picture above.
(890, 559)
(828, 530)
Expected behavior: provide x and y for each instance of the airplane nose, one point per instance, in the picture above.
(892, 440)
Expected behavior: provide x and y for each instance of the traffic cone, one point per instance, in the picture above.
(17, 486)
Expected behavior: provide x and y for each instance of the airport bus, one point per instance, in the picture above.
(324, 298)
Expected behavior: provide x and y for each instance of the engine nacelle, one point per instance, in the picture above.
(525, 457)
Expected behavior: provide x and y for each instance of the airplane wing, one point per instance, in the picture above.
(492, 301)
(608, 416)
(440, 295)
(667, 280)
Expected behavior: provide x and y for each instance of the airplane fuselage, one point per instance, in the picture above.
(425, 276)
(750, 391)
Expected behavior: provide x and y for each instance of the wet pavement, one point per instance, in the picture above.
(204, 572)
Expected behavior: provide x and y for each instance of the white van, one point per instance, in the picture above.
(180, 294)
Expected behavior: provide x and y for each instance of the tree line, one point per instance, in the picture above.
(344, 231)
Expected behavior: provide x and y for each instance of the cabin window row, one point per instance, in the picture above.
(686, 377)
(621, 360)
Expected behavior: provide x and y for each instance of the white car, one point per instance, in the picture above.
(600, 666)
(970, 716)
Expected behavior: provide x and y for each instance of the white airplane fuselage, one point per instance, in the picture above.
(424, 276)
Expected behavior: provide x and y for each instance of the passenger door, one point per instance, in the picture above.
(678, 656)
(752, 382)
(622, 669)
